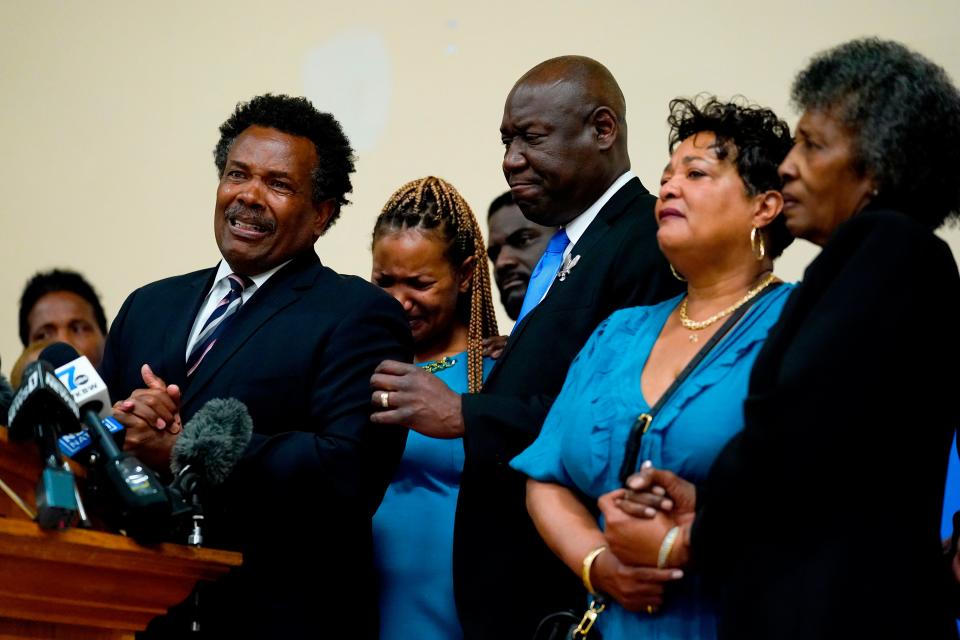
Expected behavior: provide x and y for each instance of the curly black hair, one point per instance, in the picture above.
(753, 137)
(505, 199)
(50, 282)
(903, 113)
(297, 117)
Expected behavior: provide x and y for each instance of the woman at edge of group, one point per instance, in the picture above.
(719, 227)
(429, 254)
(821, 519)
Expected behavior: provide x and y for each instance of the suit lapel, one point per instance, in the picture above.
(615, 207)
(282, 289)
(178, 325)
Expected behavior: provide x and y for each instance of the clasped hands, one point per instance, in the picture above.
(639, 516)
(151, 417)
(638, 519)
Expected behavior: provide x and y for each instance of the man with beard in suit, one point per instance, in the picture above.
(514, 248)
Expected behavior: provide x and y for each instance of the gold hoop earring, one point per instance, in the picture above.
(676, 274)
(757, 244)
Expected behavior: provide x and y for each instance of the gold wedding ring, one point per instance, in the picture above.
(385, 399)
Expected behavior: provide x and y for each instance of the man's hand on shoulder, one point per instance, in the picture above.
(493, 346)
(151, 417)
(407, 395)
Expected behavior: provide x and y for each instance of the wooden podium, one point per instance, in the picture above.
(84, 585)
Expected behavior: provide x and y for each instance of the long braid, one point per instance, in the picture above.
(433, 203)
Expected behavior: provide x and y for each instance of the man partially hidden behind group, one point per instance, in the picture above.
(565, 159)
(61, 306)
(514, 249)
(296, 343)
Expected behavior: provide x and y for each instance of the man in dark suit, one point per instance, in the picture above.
(567, 165)
(296, 343)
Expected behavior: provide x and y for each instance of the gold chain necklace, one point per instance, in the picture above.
(695, 325)
(439, 365)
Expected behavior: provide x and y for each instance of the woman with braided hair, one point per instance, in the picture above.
(428, 254)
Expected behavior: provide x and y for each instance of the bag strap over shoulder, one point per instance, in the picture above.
(644, 420)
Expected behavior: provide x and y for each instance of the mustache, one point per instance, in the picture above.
(238, 211)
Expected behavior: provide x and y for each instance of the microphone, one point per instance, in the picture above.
(80, 377)
(40, 397)
(74, 445)
(42, 408)
(209, 447)
(138, 494)
(6, 397)
(213, 440)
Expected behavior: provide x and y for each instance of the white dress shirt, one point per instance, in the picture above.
(221, 286)
(578, 226)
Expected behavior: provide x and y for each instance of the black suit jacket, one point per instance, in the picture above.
(821, 519)
(299, 354)
(506, 579)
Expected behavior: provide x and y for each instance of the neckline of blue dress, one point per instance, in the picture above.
(722, 357)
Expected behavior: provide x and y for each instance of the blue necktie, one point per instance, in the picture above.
(218, 321)
(544, 273)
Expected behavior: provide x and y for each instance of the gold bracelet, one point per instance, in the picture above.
(666, 547)
(588, 564)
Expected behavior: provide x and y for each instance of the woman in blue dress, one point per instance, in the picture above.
(719, 226)
(428, 253)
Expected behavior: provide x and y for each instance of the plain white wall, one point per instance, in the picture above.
(109, 109)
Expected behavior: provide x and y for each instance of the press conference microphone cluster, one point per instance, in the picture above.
(134, 494)
(61, 391)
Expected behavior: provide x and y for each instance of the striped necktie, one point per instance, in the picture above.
(544, 272)
(218, 321)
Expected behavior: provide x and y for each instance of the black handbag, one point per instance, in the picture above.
(566, 625)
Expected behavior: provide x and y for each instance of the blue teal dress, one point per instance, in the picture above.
(585, 434)
(413, 531)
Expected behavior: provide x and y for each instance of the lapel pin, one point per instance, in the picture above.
(567, 266)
